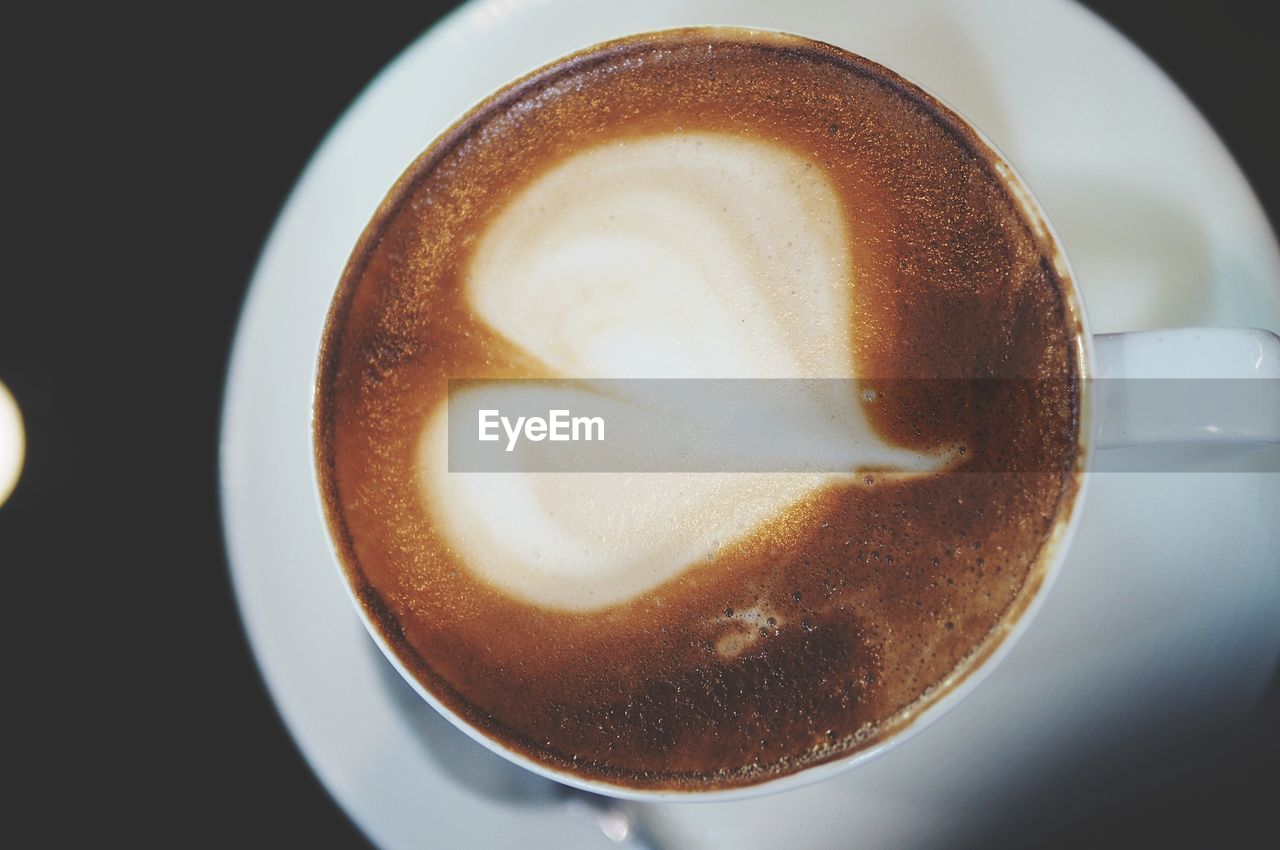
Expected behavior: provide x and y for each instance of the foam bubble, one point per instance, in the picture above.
(740, 630)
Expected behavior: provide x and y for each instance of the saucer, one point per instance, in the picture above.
(1169, 573)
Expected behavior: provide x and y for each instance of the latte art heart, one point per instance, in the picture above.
(688, 255)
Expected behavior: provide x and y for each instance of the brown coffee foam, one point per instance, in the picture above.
(862, 581)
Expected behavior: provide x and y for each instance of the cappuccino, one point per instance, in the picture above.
(702, 204)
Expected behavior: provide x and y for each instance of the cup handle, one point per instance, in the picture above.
(1188, 385)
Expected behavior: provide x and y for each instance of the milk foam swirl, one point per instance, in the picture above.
(674, 256)
(692, 255)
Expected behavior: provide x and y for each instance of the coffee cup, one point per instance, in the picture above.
(1091, 414)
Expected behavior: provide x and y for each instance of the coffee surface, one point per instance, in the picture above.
(703, 204)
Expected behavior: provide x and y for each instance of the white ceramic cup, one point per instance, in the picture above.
(1110, 419)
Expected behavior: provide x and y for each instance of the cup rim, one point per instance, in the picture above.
(960, 683)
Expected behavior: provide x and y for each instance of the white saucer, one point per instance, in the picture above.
(1169, 573)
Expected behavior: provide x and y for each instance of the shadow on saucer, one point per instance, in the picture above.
(1142, 262)
(1213, 787)
(463, 760)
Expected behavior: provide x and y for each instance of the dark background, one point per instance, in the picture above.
(147, 156)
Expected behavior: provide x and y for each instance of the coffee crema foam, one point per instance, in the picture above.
(701, 204)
